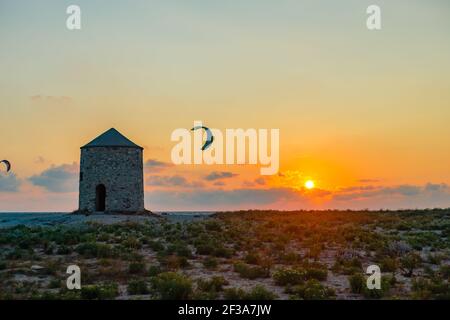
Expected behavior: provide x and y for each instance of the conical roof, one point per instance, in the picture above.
(111, 138)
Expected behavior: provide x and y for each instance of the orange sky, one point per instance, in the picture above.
(363, 114)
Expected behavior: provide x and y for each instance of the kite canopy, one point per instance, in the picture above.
(7, 163)
(111, 138)
(209, 136)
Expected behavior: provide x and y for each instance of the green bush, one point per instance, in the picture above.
(259, 292)
(95, 250)
(234, 294)
(311, 290)
(222, 252)
(172, 286)
(205, 249)
(136, 267)
(63, 250)
(289, 276)
(132, 243)
(137, 287)
(251, 272)
(210, 263)
(386, 283)
(316, 273)
(154, 271)
(214, 284)
(445, 271)
(156, 246)
(99, 292)
(180, 250)
(357, 283)
(388, 264)
(348, 267)
(409, 263)
(430, 289)
(252, 258)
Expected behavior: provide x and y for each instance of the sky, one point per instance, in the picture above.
(364, 114)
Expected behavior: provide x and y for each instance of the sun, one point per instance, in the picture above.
(309, 184)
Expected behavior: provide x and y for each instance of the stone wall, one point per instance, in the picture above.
(120, 170)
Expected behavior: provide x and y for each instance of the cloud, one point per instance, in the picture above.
(156, 163)
(9, 183)
(372, 191)
(248, 184)
(257, 182)
(436, 187)
(63, 178)
(260, 181)
(217, 175)
(153, 165)
(219, 183)
(40, 160)
(368, 180)
(171, 181)
(279, 198)
(218, 199)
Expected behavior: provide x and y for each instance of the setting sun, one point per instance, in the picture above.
(309, 184)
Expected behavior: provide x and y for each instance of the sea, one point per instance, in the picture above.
(12, 219)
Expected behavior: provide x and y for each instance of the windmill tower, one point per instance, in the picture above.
(111, 175)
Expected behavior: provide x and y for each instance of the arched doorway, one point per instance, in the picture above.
(100, 198)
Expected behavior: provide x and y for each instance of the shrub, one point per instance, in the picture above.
(431, 288)
(259, 292)
(156, 246)
(95, 250)
(63, 250)
(180, 249)
(131, 243)
(345, 266)
(289, 276)
(172, 286)
(289, 258)
(54, 284)
(445, 271)
(154, 271)
(357, 283)
(410, 262)
(136, 267)
(386, 283)
(388, 264)
(205, 249)
(137, 287)
(316, 273)
(234, 294)
(311, 290)
(252, 258)
(174, 262)
(222, 252)
(251, 272)
(435, 258)
(210, 263)
(214, 284)
(99, 292)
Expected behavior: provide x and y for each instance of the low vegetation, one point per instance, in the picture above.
(234, 255)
